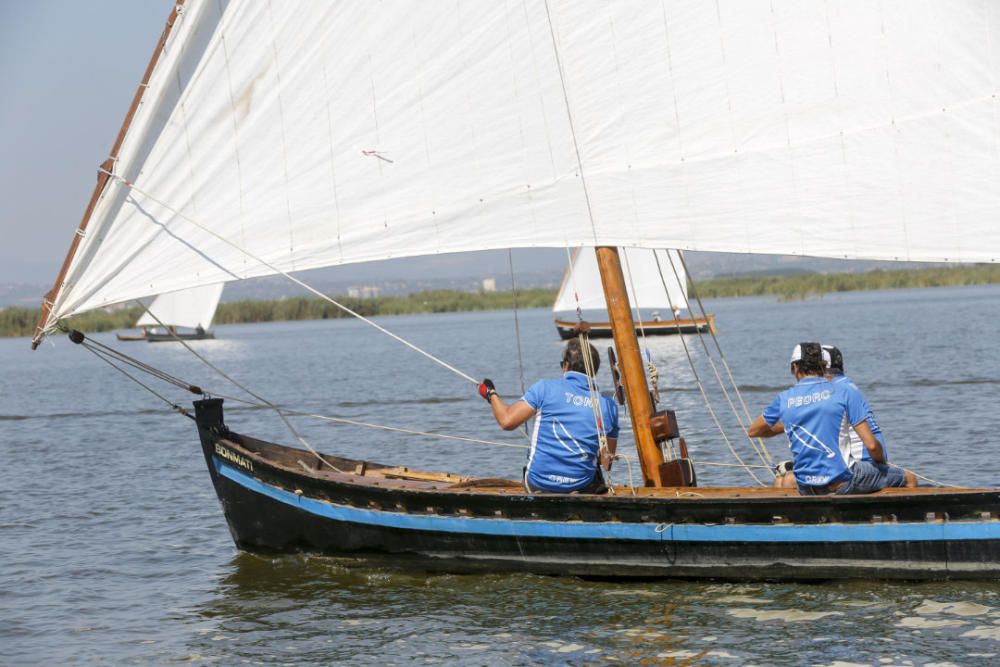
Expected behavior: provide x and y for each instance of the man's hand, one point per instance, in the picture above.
(487, 390)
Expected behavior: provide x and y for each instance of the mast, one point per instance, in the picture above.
(102, 176)
(640, 406)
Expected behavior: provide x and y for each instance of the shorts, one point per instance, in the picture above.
(596, 485)
(869, 477)
(866, 477)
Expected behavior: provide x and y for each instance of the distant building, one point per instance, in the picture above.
(489, 284)
(364, 292)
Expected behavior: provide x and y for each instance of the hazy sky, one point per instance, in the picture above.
(68, 70)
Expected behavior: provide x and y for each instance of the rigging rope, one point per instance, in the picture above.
(756, 444)
(722, 358)
(704, 395)
(275, 269)
(572, 278)
(517, 333)
(595, 404)
(142, 384)
(106, 353)
(651, 370)
(260, 398)
(517, 321)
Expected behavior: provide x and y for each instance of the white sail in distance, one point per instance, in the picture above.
(649, 279)
(191, 308)
(287, 136)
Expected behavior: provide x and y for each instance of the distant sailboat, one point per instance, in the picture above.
(192, 309)
(657, 289)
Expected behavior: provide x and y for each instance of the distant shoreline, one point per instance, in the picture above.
(21, 321)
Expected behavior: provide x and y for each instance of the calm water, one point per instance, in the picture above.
(114, 549)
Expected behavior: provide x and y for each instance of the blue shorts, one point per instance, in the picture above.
(866, 477)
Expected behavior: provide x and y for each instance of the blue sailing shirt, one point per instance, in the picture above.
(851, 447)
(811, 412)
(564, 442)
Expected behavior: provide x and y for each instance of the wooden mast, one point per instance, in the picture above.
(640, 406)
(102, 178)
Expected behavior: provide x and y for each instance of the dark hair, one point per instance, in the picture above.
(811, 362)
(836, 360)
(573, 357)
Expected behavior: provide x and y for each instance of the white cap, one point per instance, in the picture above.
(797, 354)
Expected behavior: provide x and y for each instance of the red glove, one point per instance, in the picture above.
(487, 390)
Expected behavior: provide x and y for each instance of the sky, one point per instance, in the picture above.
(68, 71)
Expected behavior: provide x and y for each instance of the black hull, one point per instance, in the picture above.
(167, 338)
(272, 508)
(568, 329)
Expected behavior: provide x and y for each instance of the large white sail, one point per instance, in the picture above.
(192, 308)
(650, 279)
(308, 134)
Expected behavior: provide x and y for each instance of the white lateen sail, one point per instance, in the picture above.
(291, 135)
(649, 279)
(191, 308)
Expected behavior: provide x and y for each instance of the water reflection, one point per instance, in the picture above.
(358, 612)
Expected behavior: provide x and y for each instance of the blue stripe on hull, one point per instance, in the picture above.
(885, 532)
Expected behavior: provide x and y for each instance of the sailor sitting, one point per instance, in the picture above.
(572, 421)
(811, 413)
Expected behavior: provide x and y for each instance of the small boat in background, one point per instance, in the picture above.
(191, 309)
(656, 281)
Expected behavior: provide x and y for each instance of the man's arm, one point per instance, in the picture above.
(510, 416)
(761, 429)
(871, 443)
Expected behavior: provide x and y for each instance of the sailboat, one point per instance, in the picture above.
(656, 282)
(192, 308)
(269, 138)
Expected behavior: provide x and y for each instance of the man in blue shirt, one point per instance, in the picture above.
(851, 447)
(572, 420)
(810, 413)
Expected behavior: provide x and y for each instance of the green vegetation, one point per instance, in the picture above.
(788, 288)
(21, 321)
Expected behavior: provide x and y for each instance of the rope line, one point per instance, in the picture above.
(754, 444)
(725, 362)
(517, 334)
(260, 398)
(142, 384)
(704, 395)
(106, 354)
(380, 427)
(935, 483)
(595, 404)
(517, 321)
(142, 366)
(572, 278)
(290, 277)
